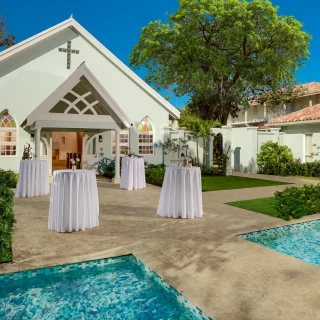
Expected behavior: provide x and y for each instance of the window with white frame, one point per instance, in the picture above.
(8, 135)
(145, 132)
(124, 142)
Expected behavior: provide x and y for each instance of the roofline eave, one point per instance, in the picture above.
(293, 123)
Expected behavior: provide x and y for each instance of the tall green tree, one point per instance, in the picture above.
(222, 53)
(6, 39)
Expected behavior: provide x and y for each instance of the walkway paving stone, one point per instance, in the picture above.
(227, 277)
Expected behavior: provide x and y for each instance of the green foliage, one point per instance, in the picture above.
(165, 147)
(27, 155)
(272, 157)
(222, 52)
(309, 169)
(106, 167)
(215, 170)
(155, 174)
(294, 202)
(6, 223)
(6, 40)
(8, 178)
(198, 128)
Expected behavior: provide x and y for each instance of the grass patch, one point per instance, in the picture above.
(308, 178)
(263, 205)
(231, 182)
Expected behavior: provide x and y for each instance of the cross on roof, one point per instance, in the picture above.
(68, 50)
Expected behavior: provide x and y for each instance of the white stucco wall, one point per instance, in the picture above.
(27, 78)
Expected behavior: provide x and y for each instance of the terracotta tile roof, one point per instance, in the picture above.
(263, 126)
(308, 88)
(311, 87)
(306, 114)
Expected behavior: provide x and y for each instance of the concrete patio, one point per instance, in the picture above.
(227, 277)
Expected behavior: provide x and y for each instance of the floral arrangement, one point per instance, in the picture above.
(131, 154)
(75, 162)
(27, 152)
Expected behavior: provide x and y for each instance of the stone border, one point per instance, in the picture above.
(280, 230)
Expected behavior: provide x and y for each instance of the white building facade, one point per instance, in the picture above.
(63, 88)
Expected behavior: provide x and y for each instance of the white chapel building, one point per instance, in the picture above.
(63, 92)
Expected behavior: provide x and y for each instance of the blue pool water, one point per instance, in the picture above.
(301, 240)
(118, 290)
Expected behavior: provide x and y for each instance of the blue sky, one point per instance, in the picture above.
(117, 24)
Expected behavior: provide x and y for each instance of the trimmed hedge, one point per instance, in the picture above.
(8, 178)
(294, 202)
(155, 174)
(309, 169)
(6, 223)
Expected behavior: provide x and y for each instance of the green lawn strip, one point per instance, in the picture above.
(263, 205)
(227, 183)
(307, 178)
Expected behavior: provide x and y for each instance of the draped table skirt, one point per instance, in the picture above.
(132, 174)
(33, 178)
(74, 203)
(181, 193)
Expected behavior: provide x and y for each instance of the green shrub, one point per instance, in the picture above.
(294, 202)
(309, 169)
(155, 174)
(6, 223)
(8, 178)
(272, 157)
(215, 170)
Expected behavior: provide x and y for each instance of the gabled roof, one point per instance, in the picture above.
(81, 74)
(309, 114)
(76, 27)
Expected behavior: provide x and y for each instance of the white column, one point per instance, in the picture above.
(84, 150)
(310, 102)
(253, 149)
(265, 111)
(116, 178)
(226, 134)
(37, 142)
(246, 116)
(50, 155)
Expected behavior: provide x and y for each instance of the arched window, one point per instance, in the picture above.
(8, 135)
(145, 131)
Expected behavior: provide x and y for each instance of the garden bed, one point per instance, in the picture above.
(292, 203)
(8, 180)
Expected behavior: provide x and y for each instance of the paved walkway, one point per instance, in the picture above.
(227, 277)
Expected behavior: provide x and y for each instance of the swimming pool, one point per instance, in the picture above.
(300, 240)
(114, 288)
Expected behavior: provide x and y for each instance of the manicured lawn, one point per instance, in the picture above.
(264, 205)
(226, 183)
(308, 178)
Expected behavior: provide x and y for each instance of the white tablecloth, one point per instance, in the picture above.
(74, 203)
(33, 178)
(132, 174)
(181, 193)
